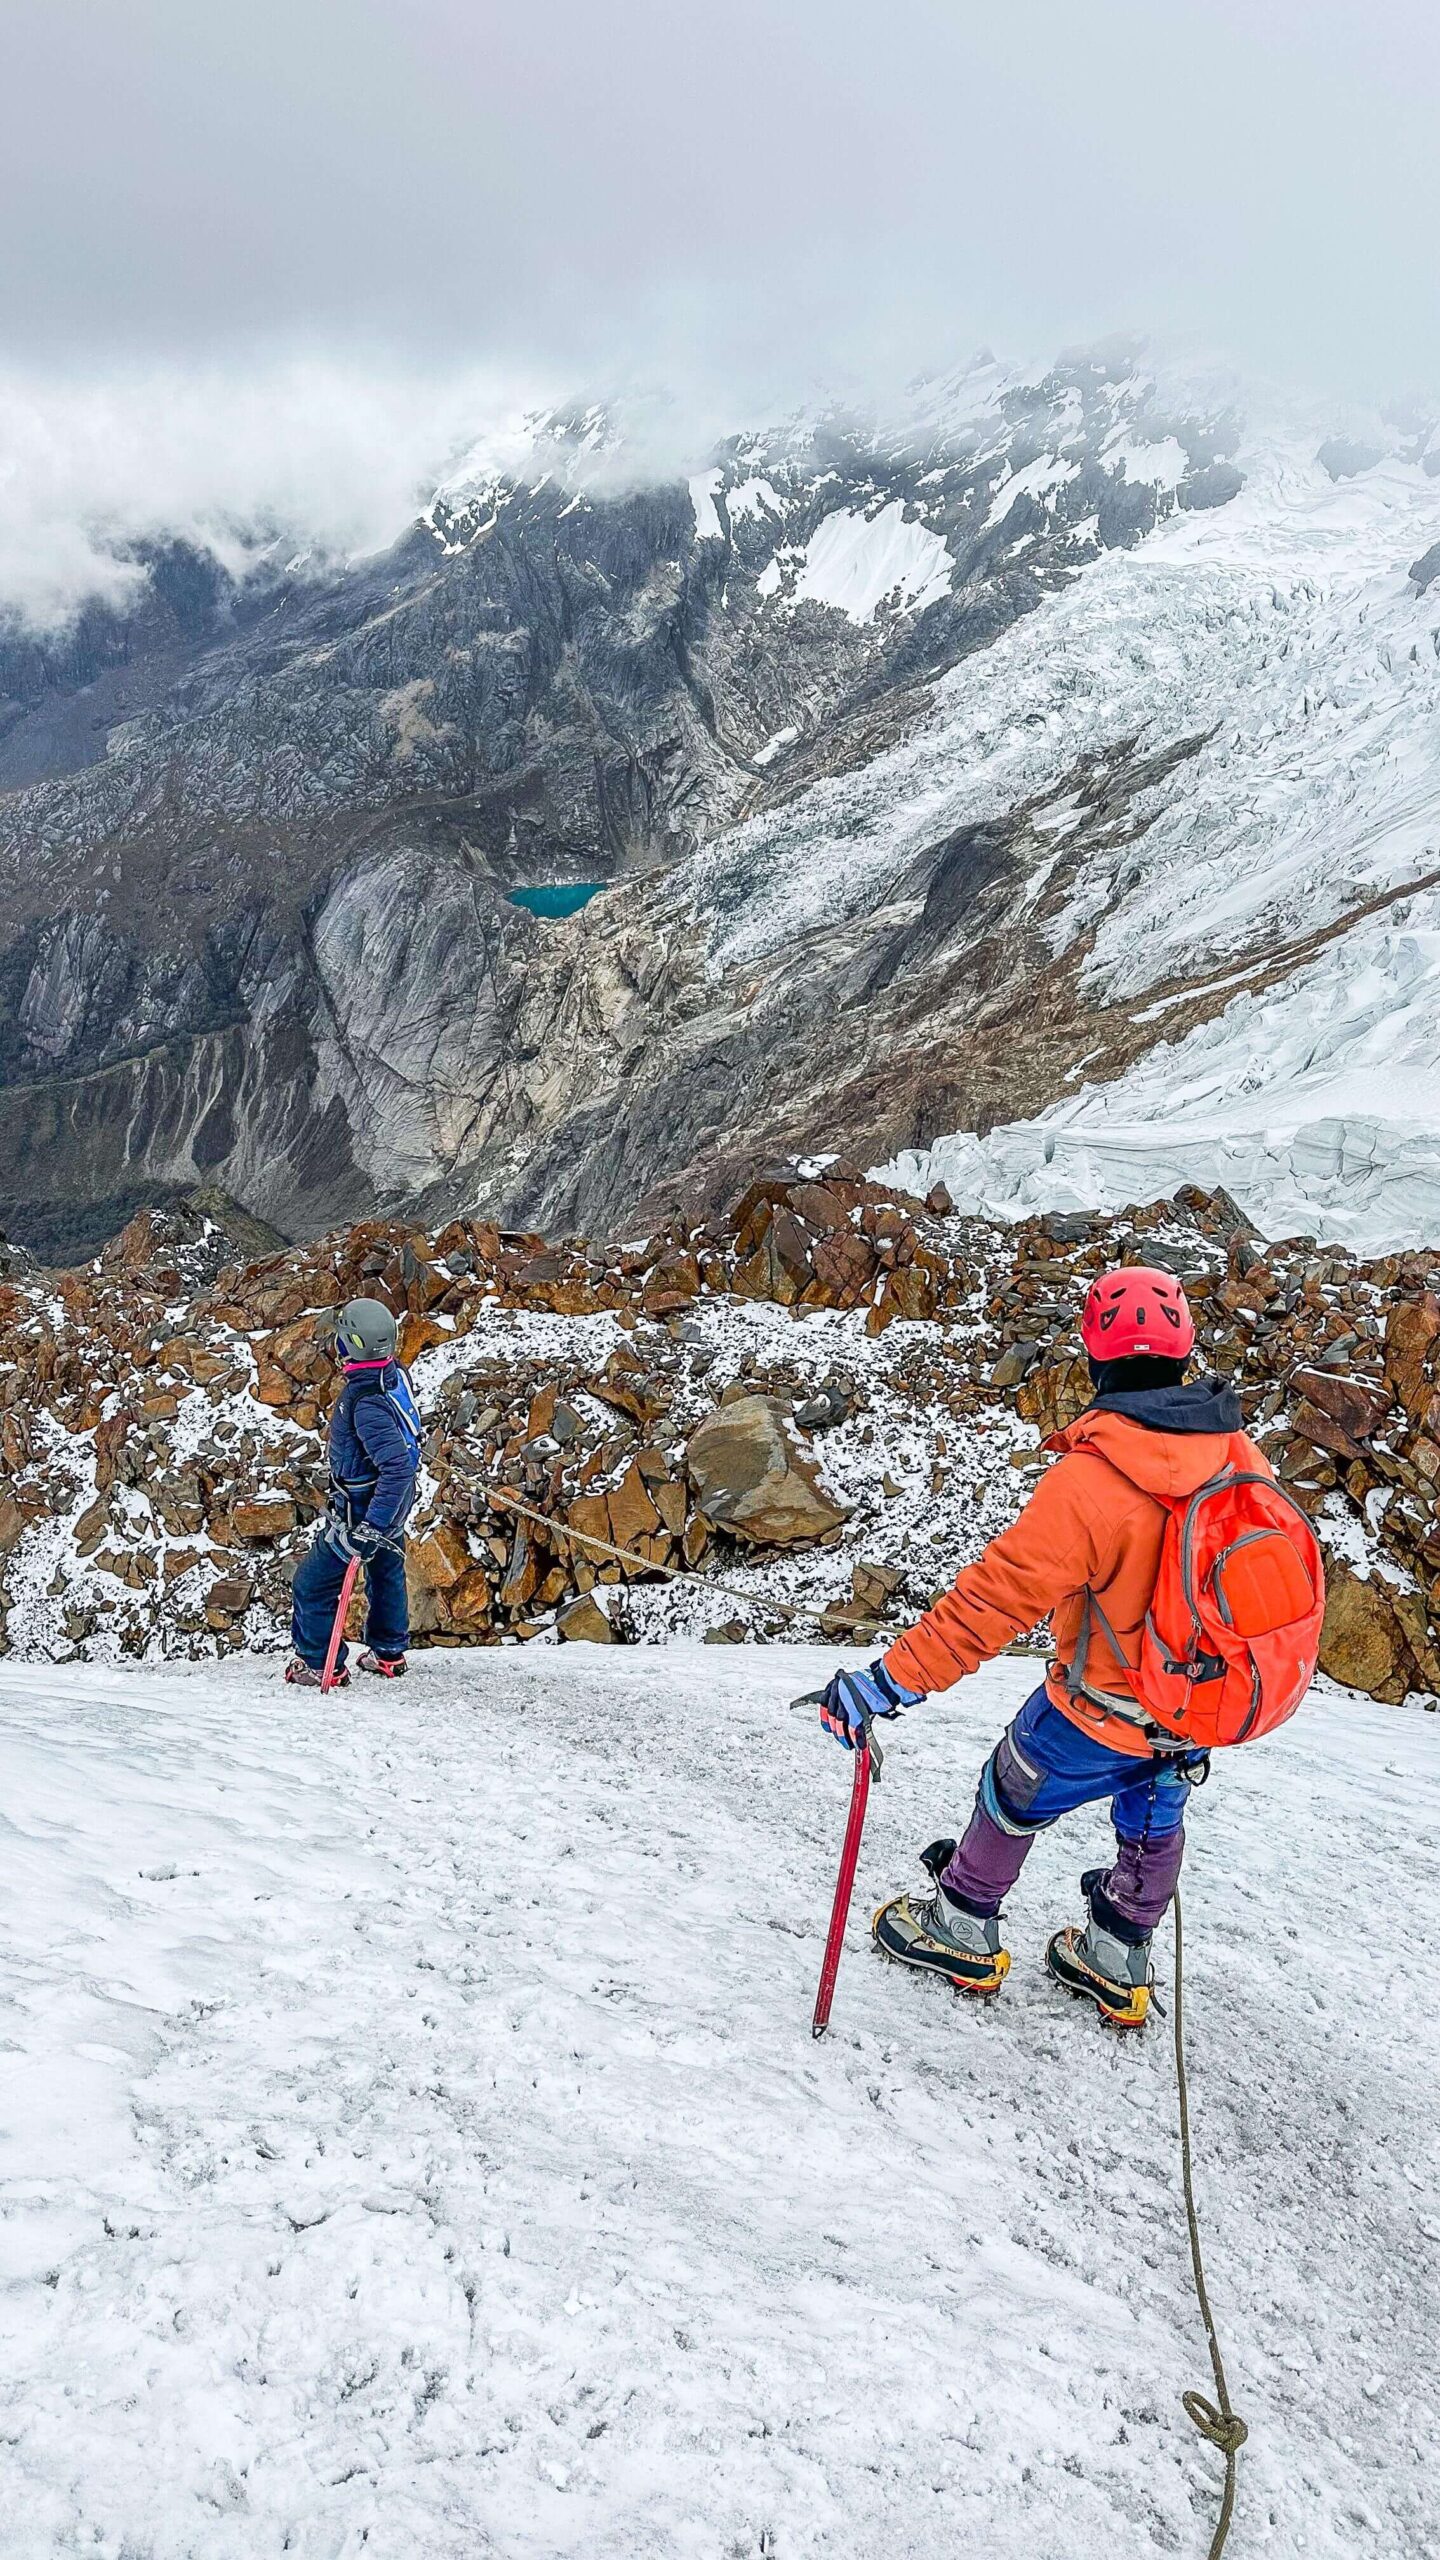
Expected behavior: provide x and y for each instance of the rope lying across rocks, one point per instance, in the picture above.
(759, 1601)
(674, 1572)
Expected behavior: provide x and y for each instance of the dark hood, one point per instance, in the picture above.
(1207, 1404)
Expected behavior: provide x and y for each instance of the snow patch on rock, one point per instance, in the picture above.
(702, 498)
(753, 498)
(1162, 465)
(858, 563)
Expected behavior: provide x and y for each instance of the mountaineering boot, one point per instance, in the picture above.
(1104, 1962)
(939, 1934)
(310, 1675)
(386, 1666)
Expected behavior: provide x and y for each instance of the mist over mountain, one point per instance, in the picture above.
(261, 285)
(433, 469)
(909, 751)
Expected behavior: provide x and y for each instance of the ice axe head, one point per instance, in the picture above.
(814, 1698)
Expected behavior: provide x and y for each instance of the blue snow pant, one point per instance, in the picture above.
(1045, 1766)
(317, 1596)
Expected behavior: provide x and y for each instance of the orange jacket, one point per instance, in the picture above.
(1092, 1523)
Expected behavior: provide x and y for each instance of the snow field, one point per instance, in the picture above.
(413, 2141)
(857, 563)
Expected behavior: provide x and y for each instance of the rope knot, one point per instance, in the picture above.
(1220, 2426)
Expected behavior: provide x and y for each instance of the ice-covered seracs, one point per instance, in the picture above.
(1312, 1099)
(1289, 865)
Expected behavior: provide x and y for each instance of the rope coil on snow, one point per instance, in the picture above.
(1218, 2424)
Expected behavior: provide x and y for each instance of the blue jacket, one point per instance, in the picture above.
(372, 1466)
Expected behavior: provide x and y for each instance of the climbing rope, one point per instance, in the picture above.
(1215, 2419)
(760, 1601)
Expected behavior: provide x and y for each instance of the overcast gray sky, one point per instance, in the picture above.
(735, 199)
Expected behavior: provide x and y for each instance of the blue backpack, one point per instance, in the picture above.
(401, 1399)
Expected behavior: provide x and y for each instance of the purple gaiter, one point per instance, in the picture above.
(985, 1865)
(1144, 1877)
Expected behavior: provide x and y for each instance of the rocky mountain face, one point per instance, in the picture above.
(257, 840)
(807, 1410)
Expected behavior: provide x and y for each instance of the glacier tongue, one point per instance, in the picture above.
(1313, 1101)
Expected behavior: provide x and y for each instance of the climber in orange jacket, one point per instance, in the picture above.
(1084, 1553)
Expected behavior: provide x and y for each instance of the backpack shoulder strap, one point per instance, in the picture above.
(401, 1398)
(1125, 1705)
(1128, 1707)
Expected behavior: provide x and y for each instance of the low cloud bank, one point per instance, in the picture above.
(332, 458)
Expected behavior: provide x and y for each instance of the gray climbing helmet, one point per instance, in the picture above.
(365, 1330)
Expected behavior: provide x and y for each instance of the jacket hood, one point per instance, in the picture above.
(1206, 1405)
(1167, 1440)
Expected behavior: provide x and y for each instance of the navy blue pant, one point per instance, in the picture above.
(317, 1596)
(1045, 1766)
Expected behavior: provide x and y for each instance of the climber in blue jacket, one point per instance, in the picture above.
(374, 1462)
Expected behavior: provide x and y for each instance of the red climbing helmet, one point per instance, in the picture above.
(1137, 1310)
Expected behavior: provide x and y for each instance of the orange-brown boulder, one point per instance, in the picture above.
(1411, 1331)
(1362, 1642)
(750, 1476)
(256, 1521)
(633, 1515)
(421, 1333)
(438, 1558)
(585, 1622)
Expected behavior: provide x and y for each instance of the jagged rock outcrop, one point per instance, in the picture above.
(830, 1390)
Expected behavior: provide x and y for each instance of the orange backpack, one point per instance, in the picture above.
(1232, 1635)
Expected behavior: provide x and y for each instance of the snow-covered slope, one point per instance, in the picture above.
(412, 2140)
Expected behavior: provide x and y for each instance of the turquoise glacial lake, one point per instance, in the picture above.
(558, 897)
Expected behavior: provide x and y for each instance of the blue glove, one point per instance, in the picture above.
(364, 1539)
(853, 1696)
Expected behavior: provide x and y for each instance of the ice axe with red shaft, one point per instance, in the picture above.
(337, 1632)
(869, 1760)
